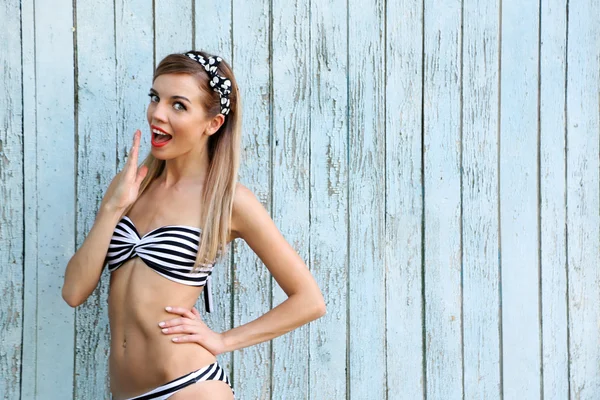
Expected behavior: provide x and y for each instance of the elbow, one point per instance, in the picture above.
(71, 298)
(319, 309)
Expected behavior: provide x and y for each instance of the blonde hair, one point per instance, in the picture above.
(223, 154)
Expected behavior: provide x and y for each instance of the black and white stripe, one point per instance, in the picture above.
(169, 250)
(212, 372)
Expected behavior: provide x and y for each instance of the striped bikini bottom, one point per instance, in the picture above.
(212, 372)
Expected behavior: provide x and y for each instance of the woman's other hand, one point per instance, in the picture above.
(194, 330)
(124, 188)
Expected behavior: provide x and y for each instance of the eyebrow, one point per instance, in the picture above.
(172, 97)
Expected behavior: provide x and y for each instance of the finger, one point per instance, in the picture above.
(186, 339)
(196, 313)
(173, 322)
(180, 329)
(181, 311)
(135, 147)
(141, 174)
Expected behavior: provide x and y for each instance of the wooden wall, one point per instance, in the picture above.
(436, 163)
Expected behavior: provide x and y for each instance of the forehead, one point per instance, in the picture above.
(186, 85)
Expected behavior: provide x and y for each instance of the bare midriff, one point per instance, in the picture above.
(141, 356)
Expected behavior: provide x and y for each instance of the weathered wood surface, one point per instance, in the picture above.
(291, 174)
(583, 198)
(519, 200)
(434, 163)
(252, 282)
(479, 182)
(553, 200)
(442, 199)
(11, 202)
(404, 201)
(328, 198)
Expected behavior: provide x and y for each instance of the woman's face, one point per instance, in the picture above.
(177, 118)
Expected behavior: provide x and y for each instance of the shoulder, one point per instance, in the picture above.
(246, 208)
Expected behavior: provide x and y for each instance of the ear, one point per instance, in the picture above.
(215, 124)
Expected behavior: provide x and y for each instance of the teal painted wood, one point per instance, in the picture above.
(583, 198)
(442, 167)
(134, 69)
(252, 282)
(555, 351)
(173, 24)
(11, 203)
(480, 233)
(329, 197)
(96, 159)
(291, 175)
(404, 200)
(366, 213)
(217, 40)
(52, 333)
(30, 202)
(519, 200)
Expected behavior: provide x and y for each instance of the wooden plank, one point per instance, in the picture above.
(442, 164)
(583, 197)
(96, 142)
(218, 42)
(366, 270)
(555, 352)
(519, 200)
(11, 206)
(404, 200)
(291, 175)
(30, 202)
(51, 330)
(134, 69)
(329, 197)
(481, 270)
(173, 24)
(252, 282)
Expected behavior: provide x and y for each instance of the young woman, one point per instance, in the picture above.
(161, 227)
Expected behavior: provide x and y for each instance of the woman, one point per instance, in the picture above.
(161, 227)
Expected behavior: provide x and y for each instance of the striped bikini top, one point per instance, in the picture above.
(169, 250)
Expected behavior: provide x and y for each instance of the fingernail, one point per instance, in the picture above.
(165, 330)
(168, 308)
(161, 324)
(175, 339)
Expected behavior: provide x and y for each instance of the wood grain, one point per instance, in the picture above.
(51, 198)
(583, 198)
(366, 212)
(252, 282)
(442, 167)
(291, 175)
(519, 200)
(96, 134)
(329, 197)
(11, 203)
(555, 351)
(173, 24)
(404, 200)
(481, 270)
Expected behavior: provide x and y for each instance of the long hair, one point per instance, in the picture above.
(223, 154)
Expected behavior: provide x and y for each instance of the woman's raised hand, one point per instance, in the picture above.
(124, 188)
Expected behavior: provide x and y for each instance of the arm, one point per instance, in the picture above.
(251, 222)
(85, 267)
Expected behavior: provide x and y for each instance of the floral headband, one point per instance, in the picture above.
(219, 83)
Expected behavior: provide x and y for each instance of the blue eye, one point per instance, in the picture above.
(179, 106)
(153, 98)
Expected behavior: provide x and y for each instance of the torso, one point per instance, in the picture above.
(141, 356)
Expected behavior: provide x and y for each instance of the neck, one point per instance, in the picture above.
(186, 168)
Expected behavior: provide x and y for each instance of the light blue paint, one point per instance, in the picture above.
(332, 147)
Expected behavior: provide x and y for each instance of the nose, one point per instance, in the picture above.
(158, 112)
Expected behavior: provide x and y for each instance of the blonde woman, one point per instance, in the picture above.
(161, 227)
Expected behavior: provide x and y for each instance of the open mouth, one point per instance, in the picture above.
(160, 137)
